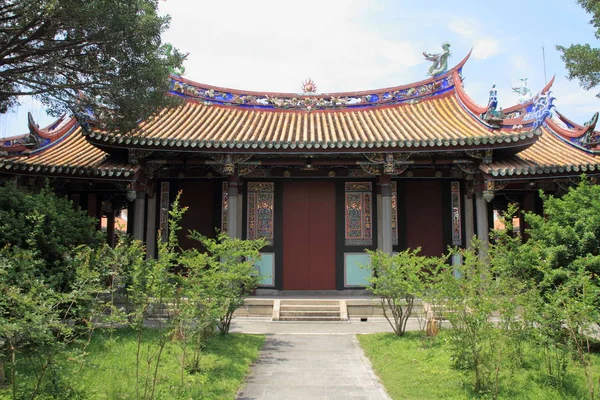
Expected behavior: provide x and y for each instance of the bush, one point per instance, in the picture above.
(399, 280)
(48, 224)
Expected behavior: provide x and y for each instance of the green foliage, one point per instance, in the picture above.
(398, 280)
(582, 60)
(566, 237)
(409, 371)
(470, 303)
(230, 275)
(47, 224)
(40, 326)
(109, 368)
(75, 55)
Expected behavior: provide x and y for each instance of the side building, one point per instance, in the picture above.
(321, 176)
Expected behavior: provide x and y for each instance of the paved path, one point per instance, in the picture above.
(312, 366)
(266, 326)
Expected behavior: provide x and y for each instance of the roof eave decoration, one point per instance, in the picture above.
(37, 138)
(551, 155)
(519, 108)
(504, 140)
(583, 137)
(210, 95)
(531, 115)
(540, 170)
(83, 172)
(70, 156)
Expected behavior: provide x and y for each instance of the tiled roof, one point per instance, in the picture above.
(549, 155)
(431, 115)
(438, 123)
(70, 155)
(37, 137)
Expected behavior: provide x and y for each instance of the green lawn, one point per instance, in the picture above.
(409, 370)
(109, 371)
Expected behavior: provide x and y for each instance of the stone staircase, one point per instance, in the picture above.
(310, 310)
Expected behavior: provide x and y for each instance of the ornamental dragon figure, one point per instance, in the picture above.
(440, 60)
(172, 70)
(524, 91)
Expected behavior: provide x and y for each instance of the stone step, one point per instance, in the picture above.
(310, 302)
(310, 313)
(305, 307)
(310, 319)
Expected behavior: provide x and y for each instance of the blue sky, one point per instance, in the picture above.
(347, 45)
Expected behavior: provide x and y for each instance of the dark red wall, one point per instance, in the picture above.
(424, 216)
(198, 197)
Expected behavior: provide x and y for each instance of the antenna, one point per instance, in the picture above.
(544, 60)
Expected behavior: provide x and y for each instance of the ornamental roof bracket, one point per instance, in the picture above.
(486, 156)
(468, 169)
(391, 163)
(491, 187)
(227, 164)
(135, 156)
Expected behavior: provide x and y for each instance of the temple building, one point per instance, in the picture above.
(321, 176)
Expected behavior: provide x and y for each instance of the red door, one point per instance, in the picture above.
(309, 235)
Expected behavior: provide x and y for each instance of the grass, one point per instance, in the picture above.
(410, 370)
(109, 371)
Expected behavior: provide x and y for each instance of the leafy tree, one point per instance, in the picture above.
(80, 55)
(48, 224)
(399, 280)
(582, 60)
(567, 235)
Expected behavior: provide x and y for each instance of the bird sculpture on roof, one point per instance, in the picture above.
(439, 60)
(523, 91)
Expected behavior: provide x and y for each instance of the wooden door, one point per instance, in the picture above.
(309, 235)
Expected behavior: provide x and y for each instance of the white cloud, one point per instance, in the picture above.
(14, 122)
(273, 45)
(580, 103)
(483, 46)
(519, 63)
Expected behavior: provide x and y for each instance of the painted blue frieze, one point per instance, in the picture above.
(540, 109)
(309, 100)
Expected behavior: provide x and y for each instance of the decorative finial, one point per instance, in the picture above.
(493, 115)
(309, 87)
(440, 60)
(524, 91)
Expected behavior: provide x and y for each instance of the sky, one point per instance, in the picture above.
(350, 45)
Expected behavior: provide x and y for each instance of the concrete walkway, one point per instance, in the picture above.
(311, 361)
(312, 367)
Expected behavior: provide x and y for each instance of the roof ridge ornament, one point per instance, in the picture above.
(493, 115)
(524, 91)
(439, 60)
(541, 109)
(590, 138)
(309, 87)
